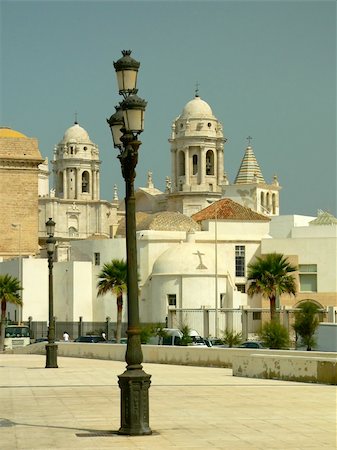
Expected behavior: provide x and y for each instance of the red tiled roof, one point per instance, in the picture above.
(227, 209)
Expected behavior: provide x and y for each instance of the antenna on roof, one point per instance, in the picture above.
(75, 118)
(197, 89)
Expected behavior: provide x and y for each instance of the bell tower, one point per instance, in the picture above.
(197, 148)
(76, 166)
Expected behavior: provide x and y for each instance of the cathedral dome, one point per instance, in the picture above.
(6, 132)
(196, 108)
(186, 258)
(76, 134)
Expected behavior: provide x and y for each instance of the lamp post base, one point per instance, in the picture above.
(134, 385)
(51, 356)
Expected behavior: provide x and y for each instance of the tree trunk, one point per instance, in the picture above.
(2, 325)
(273, 314)
(119, 317)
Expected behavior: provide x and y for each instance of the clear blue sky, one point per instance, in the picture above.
(267, 69)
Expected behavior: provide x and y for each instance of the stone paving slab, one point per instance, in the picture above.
(190, 408)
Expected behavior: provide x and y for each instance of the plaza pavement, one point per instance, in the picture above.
(190, 408)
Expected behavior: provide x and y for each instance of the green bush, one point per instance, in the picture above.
(306, 322)
(186, 338)
(274, 335)
(231, 338)
(145, 333)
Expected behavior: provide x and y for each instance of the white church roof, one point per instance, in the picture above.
(186, 258)
(76, 133)
(196, 108)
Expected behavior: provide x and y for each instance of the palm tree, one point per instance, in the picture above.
(9, 293)
(112, 278)
(271, 276)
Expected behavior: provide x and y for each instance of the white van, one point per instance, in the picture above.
(16, 336)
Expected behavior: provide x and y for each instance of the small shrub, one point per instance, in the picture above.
(186, 338)
(145, 334)
(231, 338)
(274, 335)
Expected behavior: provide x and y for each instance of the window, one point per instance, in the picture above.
(172, 299)
(222, 300)
(257, 315)
(72, 232)
(209, 163)
(85, 181)
(97, 259)
(241, 287)
(195, 164)
(240, 253)
(308, 277)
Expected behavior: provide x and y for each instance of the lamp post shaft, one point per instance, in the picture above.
(134, 382)
(216, 275)
(51, 347)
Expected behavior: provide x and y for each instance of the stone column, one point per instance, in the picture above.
(220, 165)
(92, 184)
(203, 165)
(78, 183)
(65, 183)
(97, 186)
(174, 168)
(187, 166)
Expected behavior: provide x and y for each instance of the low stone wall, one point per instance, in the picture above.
(316, 367)
(308, 369)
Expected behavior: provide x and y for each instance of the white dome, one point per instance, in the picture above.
(197, 108)
(76, 134)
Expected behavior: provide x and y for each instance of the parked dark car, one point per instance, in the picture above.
(251, 344)
(90, 339)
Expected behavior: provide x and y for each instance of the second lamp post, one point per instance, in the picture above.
(126, 124)
(51, 347)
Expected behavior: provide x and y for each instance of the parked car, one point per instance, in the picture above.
(251, 344)
(114, 341)
(40, 339)
(90, 339)
(215, 342)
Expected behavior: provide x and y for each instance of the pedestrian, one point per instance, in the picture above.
(65, 336)
(103, 336)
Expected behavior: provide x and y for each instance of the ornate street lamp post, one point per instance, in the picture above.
(51, 347)
(126, 124)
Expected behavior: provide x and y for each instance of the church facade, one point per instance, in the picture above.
(74, 202)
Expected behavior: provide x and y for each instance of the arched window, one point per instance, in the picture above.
(209, 163)
(262, 200)
(181, 163)
(195, 164)
(85, 181)
(60, 181)
(268, 202)
(72, 232)
(72, 225)
(273, 203)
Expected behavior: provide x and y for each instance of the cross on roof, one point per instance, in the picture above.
(75, 117)
(197, 89)
(201, 265)
(249, 138)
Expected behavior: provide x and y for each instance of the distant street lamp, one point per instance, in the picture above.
(125, 125)
(216, 309)
(51, 347)
(18, 226)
